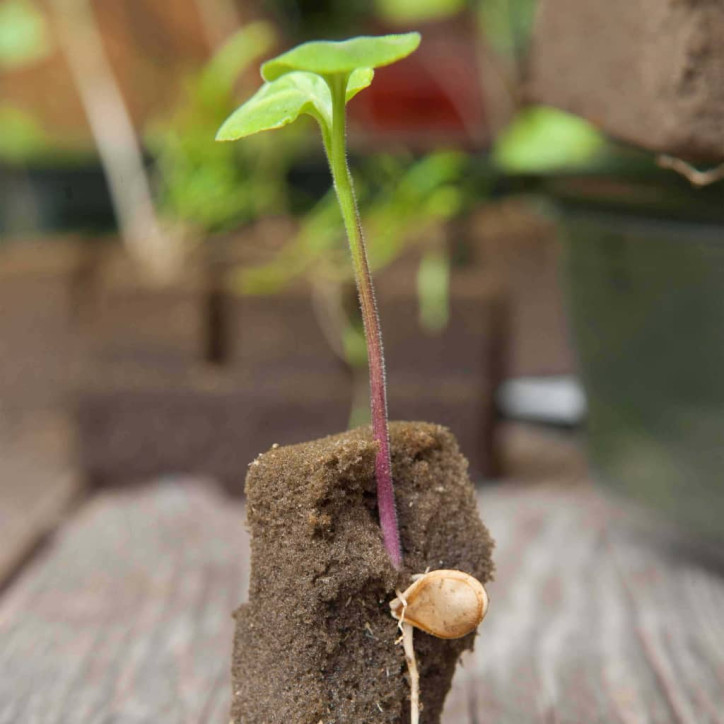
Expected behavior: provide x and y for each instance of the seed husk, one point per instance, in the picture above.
(444, 603)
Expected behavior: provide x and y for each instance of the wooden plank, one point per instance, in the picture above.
(37, 486)
(595, 617)
(126, 617)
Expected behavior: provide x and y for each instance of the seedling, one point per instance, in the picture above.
(318, 79)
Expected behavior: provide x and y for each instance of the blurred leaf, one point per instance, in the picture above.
(417, 11)
(319, 235)
(354, 345)
(543, 139)
(507, 24)
(327, 57)
(282, 101)
(433, 290)
(23, 34)
(403, 201)
(234, 57)
(216, 186)
(21, 135)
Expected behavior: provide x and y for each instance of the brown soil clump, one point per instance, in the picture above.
(647, 71)
(316, 642)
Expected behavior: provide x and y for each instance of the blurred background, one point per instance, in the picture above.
(170, 307)
(173, 305)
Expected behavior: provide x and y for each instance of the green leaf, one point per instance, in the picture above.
(277, 104)
(235, 56)
(282, 101)
(24, 37)
(542, 139)
(433, 291)
(417, 11)
(21, 136)
(359, 80)
(327, 57)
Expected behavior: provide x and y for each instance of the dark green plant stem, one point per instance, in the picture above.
(335, 145)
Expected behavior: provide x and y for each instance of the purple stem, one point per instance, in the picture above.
(378, 393)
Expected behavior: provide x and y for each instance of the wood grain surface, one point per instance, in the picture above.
(38, 485)
(125, 617)
(597, 615)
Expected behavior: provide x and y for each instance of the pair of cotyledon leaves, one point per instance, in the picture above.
(296, 81)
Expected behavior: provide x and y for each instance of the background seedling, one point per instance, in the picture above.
(406, 203)
(318, 79)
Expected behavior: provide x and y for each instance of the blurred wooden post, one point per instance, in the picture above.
(115, 138)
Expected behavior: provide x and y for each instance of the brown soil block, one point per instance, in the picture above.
(134, 424)
(39, 342)
(316, 642)
(647, 71)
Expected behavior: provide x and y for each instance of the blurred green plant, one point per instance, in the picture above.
(24, 36)
(417, 11)
(210, 186)
(405, 203)
(21, 135)
(507, 25)
(24, 40)
(400, 198)
(541, 139)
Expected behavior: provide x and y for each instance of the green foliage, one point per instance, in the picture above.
(542, 139)
(507, 24)
(282, 101)
(417, 11)
(401, 200)
(209, 185)
(24, 36)
(297, 82)
(21, 136)
(329, 57)
(216, 82)
(433, 290)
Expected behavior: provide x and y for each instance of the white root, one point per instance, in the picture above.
(407, 644)
(409, 648)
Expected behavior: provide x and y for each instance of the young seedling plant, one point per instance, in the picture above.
(318, 79)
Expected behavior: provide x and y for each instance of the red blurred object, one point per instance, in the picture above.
(434, 96)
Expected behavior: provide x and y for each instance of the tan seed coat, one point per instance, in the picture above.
(445, 603)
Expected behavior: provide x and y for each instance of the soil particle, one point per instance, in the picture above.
(315, 643)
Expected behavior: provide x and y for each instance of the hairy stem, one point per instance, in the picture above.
(335, 144)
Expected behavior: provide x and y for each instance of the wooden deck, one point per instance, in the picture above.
(123, 617)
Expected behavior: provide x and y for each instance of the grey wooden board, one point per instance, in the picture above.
(125, 618)
(37, 486)
(596, 616)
